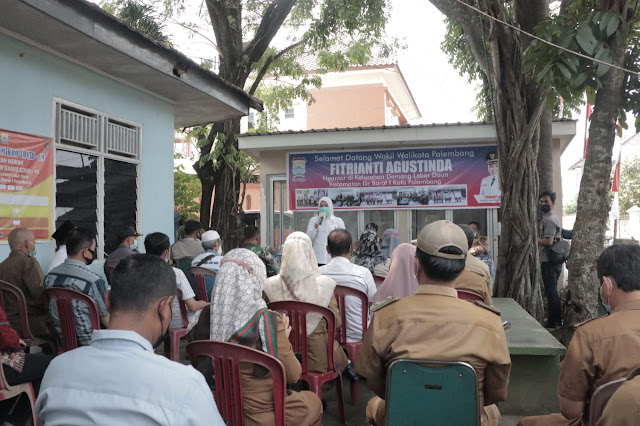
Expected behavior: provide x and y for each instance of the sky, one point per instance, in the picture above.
(441, 93)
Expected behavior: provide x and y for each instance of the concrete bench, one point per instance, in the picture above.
(535, 363)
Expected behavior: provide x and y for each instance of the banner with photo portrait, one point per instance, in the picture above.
(410, 178)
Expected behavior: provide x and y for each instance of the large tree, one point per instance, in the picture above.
(606, 30)
(517, 104)
(338, 33)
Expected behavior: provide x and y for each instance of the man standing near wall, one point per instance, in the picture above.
(549, 232)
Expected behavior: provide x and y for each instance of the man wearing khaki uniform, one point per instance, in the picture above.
(476, 278)
(435, 325)
(602, 349)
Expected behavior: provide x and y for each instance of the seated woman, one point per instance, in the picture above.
(401, 280)
(18, 367)
(300, 280)
(390, 240)
(236, 304)
(368, 253)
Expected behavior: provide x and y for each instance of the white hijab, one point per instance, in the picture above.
(299, 278)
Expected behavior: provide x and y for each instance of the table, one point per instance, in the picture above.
(535, 363)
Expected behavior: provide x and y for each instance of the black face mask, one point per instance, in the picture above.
(544, 208)
(93, 257)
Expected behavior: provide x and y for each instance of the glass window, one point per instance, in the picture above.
(120, 200)
(385, 219)
(77, 189)
(421, 218)
(465, 216)
(290, 113)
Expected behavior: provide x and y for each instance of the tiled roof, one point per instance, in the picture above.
(310, 63)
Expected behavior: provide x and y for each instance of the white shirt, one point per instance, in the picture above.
(58, 257)
(187, 293)
(213, 263)
(490, 186)
(346, 274)
(319, 236)
(119, 380)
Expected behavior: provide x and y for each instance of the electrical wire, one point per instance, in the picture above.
(546, 41)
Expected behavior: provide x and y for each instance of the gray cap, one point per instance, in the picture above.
(440, 234)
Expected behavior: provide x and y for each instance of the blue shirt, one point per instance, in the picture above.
(119, 380)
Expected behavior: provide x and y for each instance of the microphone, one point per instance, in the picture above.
(322, 216)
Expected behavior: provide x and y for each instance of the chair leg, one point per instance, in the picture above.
(340, 398)
(354, 393)
(175, 348)
(32, 401)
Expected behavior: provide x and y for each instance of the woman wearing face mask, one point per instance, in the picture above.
(320, 227)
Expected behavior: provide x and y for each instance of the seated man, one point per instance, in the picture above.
(128, 244)
(435, 325)
(211, 258)
(157, 244)
(190, 246)
(602, 349)
(118, 379)
(347, 274)
(475, 278)
(23, 271)
(252, 242)
(75, 275)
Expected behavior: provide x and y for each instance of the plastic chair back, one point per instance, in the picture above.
(8, 392)
(226, 359)
(200, 275)
(297, 313)
(599, 399)
(430, 392)
(469, 297)
(6, 287)
(183, 264)
(63, 298)
(183, 308)
(341, 292)
(378, 280)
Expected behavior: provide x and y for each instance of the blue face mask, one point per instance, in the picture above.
(325, 210)
(134, 246)
(33, 253)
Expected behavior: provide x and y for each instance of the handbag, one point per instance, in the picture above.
(559, 252)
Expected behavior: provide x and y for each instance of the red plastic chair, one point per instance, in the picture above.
(25, 334)
(199, 275)
(8, 392)
(469, 297)
(63, 298)
(172, 342)
(297, 313)
(599, 399)
(352, 348)
(226, 359)
(378, 280)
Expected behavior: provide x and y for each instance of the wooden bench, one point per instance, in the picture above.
(535, 363)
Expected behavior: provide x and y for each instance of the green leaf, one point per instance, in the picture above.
(566, 39)
(606, 18)
(564, 70)
(544, 72)
(614, 22)
(585, 38)
(602, 70)
(591, 97)
(579, 80)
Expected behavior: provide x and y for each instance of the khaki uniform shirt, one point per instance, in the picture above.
(623, 409)
(475, 279)
(601, 350)
(186, 248)
(25, 273)
(435, 325)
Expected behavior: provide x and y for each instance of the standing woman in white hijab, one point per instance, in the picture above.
(320, 227)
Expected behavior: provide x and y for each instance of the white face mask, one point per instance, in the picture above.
(219, 251)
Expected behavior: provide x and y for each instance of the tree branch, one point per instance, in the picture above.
(268, 62)
(271, 22)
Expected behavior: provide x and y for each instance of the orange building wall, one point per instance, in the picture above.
(252, 202)
(347, 106)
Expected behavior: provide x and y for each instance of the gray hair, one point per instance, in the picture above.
(208, 245)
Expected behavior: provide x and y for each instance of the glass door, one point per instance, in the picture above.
(280, 219)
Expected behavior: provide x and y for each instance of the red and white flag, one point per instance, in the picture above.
(586, 130)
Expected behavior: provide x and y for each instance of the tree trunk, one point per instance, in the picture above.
(207, 177)
(545, 152)
(593, 199)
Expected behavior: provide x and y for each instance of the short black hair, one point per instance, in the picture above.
(477, 224)
(250, 232)
(469, 234)
(622, 263)
(140, 280)
(156, 243)
(439, 268)
(339, 242)
(372, 225)
(78, 240)
(191, 227)
(549, 194)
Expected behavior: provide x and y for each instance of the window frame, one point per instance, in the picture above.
(102, 154)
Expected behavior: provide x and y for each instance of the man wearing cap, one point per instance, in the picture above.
(435, 325)
(490, 186)
(128, 238)
(211, 258)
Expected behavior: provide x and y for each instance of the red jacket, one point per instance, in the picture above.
(9, 339)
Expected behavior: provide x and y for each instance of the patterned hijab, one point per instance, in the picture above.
(299, 278)
(238, 311)
(390, 240)
(368, 253)
(401, 280)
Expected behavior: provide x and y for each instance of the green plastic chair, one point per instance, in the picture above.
(183, 264)
(432, 393)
